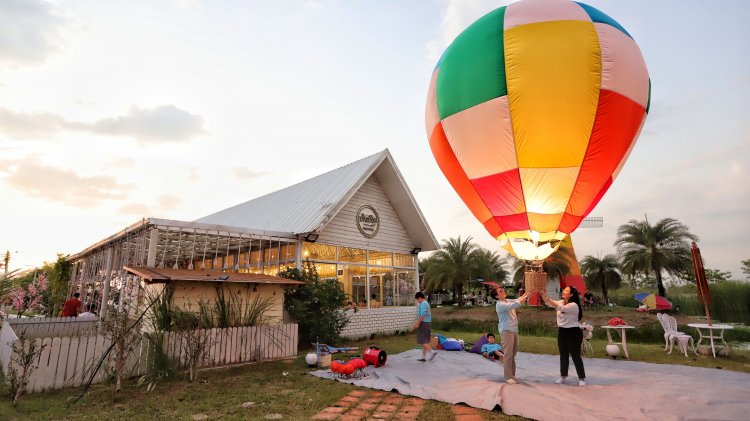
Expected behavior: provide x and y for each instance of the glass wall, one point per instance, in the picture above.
(354, 281)
(370, 277)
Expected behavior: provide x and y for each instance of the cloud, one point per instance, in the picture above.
(164, 123)
(60, 185)
(126, 162)
(137, 209)
(246, 174)
(168, 201)
(21, 125)
(30, 31)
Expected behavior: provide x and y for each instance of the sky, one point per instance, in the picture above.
(115, 111)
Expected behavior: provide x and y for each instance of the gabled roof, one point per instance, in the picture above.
(309, 205)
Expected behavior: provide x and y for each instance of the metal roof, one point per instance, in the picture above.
(161, 275)
(309, 205)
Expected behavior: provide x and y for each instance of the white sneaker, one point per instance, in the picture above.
(511, 381)
(561, 380)
(581, 382)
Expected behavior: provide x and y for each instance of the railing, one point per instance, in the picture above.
(68, 361)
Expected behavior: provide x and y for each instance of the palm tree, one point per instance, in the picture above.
(662, 247)
(490, 267)
(452, 266)
(8, 284)
(603, 272)
(556, 265)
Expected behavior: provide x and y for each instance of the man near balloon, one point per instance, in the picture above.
(531, 114)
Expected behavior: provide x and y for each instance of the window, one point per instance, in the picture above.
(348, 254)
(382, 286)
(288, 254)
(315, 251)
(380, 258)
(405, 260)
(354, 280)
(326, 271)
(406, 286)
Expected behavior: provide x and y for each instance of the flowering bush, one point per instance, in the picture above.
(29, 298)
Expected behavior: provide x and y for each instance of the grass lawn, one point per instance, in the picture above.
(282, 387)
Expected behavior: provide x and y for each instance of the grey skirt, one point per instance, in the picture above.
(423, 333)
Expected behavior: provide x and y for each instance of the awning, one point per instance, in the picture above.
(163, 275)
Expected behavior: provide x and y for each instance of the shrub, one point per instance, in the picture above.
(23, 361)
(316, 305)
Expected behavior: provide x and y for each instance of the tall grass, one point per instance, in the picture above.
(730, 300)
(230, 310)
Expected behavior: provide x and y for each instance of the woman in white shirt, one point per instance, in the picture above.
(569, 333)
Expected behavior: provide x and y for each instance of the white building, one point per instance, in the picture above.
(358, 224)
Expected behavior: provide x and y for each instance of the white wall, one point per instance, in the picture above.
(380, 321)
(342, 230)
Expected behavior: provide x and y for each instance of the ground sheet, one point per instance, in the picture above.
(616, 389)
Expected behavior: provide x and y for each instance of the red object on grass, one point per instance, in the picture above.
(374, 356)
(616, 321)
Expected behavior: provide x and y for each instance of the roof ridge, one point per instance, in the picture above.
(330, 193)
(317, 176)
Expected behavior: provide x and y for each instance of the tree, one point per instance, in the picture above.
(714, 276)
(7, 284)
(59, 279)
(490, 266)
(424, 280)
(746, 268)
(602, 272)
(316, 305)
(659, 248)
(556, 265)
(452, 266)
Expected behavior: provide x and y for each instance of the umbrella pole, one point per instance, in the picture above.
(708, 314)
(704, 294)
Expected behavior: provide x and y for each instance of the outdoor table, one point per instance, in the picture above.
(623, 338)
(720, 327)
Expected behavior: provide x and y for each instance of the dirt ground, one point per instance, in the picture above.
(527, 314)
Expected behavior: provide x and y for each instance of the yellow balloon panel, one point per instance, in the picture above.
(553, 74)
(547, 190)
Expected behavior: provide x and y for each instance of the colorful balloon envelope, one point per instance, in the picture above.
(531, 114)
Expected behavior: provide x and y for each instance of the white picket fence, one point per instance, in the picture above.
(50, 327)
(68, 361)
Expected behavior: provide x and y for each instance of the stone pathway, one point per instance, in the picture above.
(373, 405)
(379, 405)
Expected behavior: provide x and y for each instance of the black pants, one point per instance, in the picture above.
(569, 341)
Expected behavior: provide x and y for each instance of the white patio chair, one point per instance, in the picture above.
(672, 335)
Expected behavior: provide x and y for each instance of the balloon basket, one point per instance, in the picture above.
(535, 279)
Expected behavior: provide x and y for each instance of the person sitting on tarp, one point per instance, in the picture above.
(492, 349)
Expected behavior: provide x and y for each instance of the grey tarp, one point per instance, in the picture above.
(615, 389)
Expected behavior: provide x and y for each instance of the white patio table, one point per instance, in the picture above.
(701, 327)
(623, 339)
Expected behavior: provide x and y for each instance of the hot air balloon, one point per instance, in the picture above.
(531, 114)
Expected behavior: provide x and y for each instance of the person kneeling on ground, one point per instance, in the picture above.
(492, 349)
